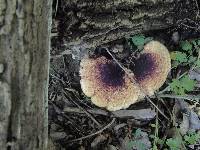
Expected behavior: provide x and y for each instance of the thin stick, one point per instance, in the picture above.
(160, 99)
(157, 108)
(197, 9)
(186, 97)
(89, 115)
(60, 112)
(56, 8)
(57, 78)
(168, 87)
(140, 114)
(66, 52)
(93, 134)
(131, 77)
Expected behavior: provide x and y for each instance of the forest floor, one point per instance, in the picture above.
(171, 122)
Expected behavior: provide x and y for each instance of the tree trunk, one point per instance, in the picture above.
(94, 23)
(24, 64)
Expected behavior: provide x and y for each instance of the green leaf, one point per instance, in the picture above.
(154, 147)
(194, 43)
(152, 136)
(138, 144)
(186, 45)
(160, 141)
(174, 143)
(138, 40)
(137, 133)
(198, 42)
(148, 39)
(182, 85)
(187, 83)
(179, 56)
(192, 138)
(191, 59)
(130, 145)
(153, 125)
(197, 63)
(176, 87)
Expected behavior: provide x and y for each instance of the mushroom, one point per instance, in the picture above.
(152, 67)
(107, 84)
(111, 87)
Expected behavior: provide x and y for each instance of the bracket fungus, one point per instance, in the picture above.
(152, 67)
(111, 87)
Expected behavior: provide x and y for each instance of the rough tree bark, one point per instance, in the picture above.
(24, 63)
(95, 22)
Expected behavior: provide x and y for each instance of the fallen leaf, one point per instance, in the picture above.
(194, 74)
(57, 135)
(185, 124)
(98, 140)
(142, 141)
(112, 147)
(189, 115)
(141, 114)
(194, 121)
(117, 127)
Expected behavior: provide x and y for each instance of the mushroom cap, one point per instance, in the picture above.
(107, 84)
(152, 67)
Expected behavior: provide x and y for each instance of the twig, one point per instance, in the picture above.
(93, 134)
(157, 108)
(117, 62)
(75, 94)
(56, 7)
(141, 114)
(164, 90)
(160, 99)
(197, 16)
(89, 115)
(60, 112)
(57, 78)
(68, 89)
(130, 75)
(168, 87)
(156, 130)
(181, 22)
(92, 111)
(54, 34)
(66, 52)
(186, 97)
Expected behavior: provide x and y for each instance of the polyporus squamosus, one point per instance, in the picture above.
(111, 87)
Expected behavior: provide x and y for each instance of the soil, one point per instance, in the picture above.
(74, 122)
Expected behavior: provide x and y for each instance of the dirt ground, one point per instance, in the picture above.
(76, 123)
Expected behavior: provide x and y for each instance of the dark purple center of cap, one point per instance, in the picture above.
(143, 66)
(111, 74)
